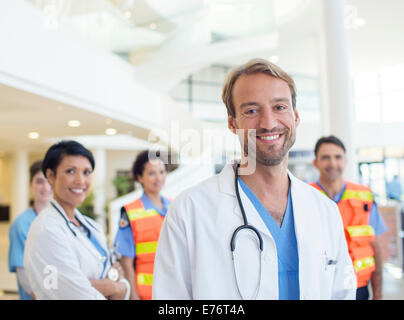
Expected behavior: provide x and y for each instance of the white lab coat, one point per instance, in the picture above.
(60, 265)
(194, 261)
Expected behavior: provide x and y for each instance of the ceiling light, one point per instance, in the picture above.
(153, 26)
(110, 131)
(352, 20)
(274, 59)
(33, 135)
(74, 123)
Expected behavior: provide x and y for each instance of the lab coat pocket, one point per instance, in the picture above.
(328, 263)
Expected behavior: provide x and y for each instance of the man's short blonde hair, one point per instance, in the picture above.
(253, 67)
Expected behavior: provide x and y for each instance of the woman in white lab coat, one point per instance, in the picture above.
(66, 255)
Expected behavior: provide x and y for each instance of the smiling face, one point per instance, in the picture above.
(264, 104)
(72, 181)
(330, 161)
(153, 176)
(41, 189)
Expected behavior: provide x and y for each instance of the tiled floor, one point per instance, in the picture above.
(393, 278)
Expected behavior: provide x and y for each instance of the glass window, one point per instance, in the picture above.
(392, 79)
(393, 107)
(367, 109)
(366, 84)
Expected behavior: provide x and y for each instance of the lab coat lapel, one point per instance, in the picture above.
(307, 225)
(95, 232)
(309, 237)
(226, 185)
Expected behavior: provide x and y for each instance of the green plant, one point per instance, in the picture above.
(87, 206)
(123, 184)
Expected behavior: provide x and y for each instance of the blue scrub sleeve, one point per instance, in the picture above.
(124, 238)
(17, 237)
(376, 220)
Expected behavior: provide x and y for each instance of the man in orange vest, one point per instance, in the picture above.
(361, 218)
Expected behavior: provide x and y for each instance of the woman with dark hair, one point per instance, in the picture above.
(140, 224)
(42, 193)
(67, 255)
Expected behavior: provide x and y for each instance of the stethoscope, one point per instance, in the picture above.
(245, 226)
(68, 222)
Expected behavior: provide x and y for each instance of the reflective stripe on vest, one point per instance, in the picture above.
(364, 263)
(360, 231)
(146, 247)
(144, 279)
(355, 194)
(135, 214)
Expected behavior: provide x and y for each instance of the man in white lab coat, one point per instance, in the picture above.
(291, 243)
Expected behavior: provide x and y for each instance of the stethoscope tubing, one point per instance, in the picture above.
(245, 226)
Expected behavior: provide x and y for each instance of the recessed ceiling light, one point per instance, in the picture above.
(74, 123)
(110, 131)
(33, 135)
(128, 14)
(153, 26)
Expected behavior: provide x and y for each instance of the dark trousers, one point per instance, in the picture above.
(362, 293)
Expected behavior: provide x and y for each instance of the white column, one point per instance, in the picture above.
(99, 186)
(325, 103)
(20, 184)
(340, 113)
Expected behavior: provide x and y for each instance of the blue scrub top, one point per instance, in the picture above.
(17, 233)
(286, 245)
(93, 239)
(124, 241)
(375, 218)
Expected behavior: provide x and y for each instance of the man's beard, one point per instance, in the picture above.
(269, 156)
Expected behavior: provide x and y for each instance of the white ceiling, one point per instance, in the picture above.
(376, 45)
(373, 46)
(298, 22)
(380, 42)
(22, 112)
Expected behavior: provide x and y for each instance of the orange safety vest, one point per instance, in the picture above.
(146, 226)
(354, 207)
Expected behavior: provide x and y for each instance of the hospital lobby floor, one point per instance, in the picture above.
(393, 277)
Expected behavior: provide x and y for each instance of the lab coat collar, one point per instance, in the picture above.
(302, 210)
(62, 211)
(76, 213)
(89, 226)
(226, 179)
(226, 185)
